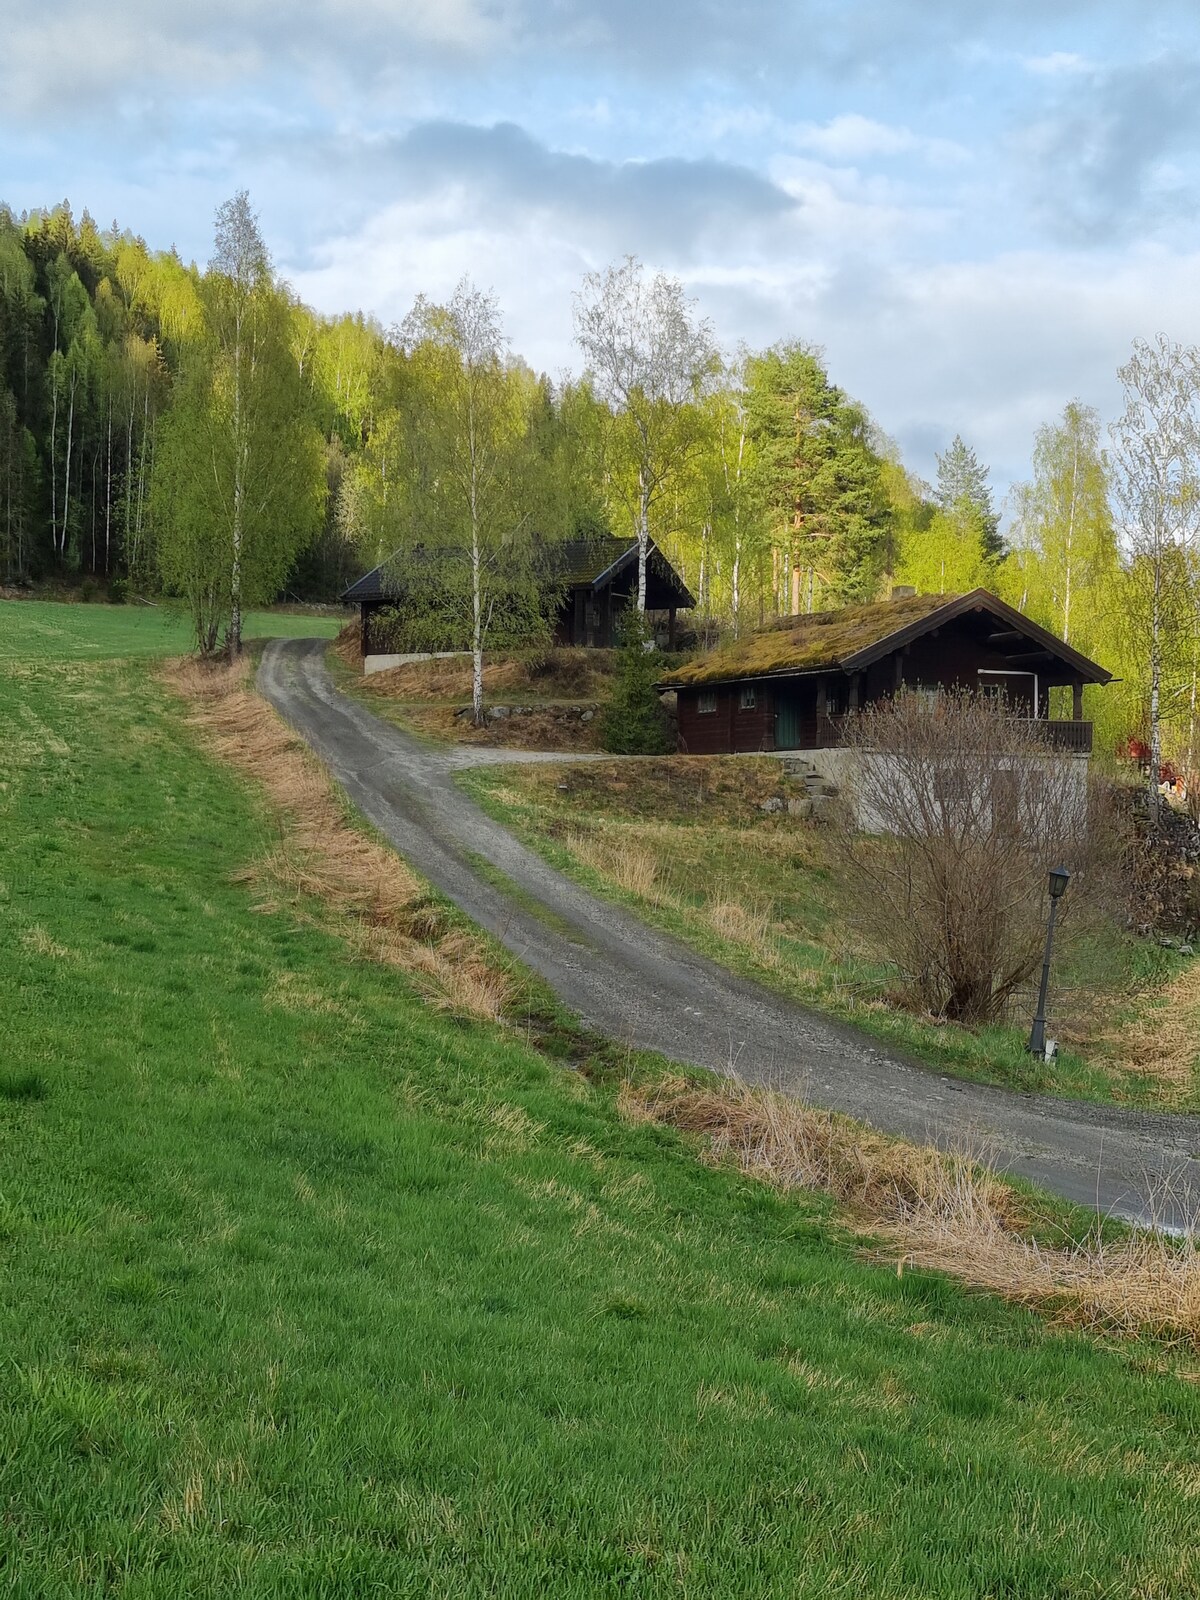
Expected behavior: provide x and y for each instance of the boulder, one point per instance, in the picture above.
(800, 808)
(772, 806)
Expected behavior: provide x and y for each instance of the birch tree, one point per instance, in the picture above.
(1156, 483)
(239, 473)
(649, 355)
(1069, 516)
(469, 480)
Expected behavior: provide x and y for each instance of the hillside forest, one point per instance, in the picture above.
(198, 432)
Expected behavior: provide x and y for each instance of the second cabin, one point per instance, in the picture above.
(790, 686)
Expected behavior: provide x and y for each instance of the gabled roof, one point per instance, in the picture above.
(575, 563)
(852, 638)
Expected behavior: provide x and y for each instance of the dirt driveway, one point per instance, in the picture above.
(638, 985)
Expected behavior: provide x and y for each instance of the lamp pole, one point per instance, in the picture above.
(1059, 878)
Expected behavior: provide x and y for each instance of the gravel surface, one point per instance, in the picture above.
(641, 987)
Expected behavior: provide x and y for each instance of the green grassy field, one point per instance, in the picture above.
(764, 895)
(34, 630)
(310, 1291)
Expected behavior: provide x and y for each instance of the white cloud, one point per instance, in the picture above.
(991, 348)
(1059, 63)
(852, 137)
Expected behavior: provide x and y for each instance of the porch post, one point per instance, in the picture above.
(1077, 702)
(671, 628)
(365, 628)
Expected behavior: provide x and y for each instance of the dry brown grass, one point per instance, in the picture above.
(947, 1212)
(556, 674)
(747, 925)
(348, 646)
(380, 903)
(539, 728)
(630, 866)
(1162, 1044)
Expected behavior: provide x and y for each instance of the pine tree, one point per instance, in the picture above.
(963, 490)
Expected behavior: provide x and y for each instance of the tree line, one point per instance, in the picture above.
(198, 430)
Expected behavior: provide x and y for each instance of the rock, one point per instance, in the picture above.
(800, 808)
(498, 713)
(817, 785)
(824, 808)
(1187, 950)
(772, 806)
(587, 716)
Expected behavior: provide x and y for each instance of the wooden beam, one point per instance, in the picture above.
(1031, 655)
(1010, 633)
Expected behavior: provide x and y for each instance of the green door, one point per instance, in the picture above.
(787, 723)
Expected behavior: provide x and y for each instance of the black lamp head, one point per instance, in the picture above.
(1059, 879)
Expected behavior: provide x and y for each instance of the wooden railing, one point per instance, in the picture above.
(1060, 735)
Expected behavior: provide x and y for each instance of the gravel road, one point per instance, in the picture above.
(637, 985)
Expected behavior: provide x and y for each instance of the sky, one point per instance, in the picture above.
(973, 209)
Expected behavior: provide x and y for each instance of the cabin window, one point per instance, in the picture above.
(951, 787)
(749, 698)
(928, 695)
(706, 701)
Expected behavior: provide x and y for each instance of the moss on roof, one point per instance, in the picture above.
(809, 643)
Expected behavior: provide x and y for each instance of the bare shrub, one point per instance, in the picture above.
(950, 1212)
(968, 807)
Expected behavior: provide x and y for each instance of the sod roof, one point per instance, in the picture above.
(825, 641)
(820, 639)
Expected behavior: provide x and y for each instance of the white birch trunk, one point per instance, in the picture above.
(643, 535)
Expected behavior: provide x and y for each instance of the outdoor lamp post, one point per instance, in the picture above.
(1059, 879)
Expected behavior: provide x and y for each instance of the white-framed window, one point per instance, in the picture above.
(928, 696)
(748, 699)
(706, 701)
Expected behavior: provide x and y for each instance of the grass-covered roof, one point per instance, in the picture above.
(821, 639)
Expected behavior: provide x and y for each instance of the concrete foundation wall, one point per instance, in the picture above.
(385, 663)
(844, 768)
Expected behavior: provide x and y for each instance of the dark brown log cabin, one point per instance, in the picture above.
(596, 579)
(790, 686)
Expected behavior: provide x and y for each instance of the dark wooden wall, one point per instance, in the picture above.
(729, 730)
(952, 660)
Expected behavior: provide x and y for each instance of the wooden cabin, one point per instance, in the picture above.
(790, 686)
(596, 579)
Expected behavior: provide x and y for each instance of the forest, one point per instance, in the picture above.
(197, 432)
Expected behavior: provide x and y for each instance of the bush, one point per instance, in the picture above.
(970, 809)
(118, 591)
(88, 590)
(634, 722)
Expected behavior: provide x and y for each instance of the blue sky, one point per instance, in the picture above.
(974, 209)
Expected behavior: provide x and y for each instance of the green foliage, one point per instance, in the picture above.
(634, 723)
(817, 478)
(239, 480)
(947, 555)
(964, 493)
(311, 1291)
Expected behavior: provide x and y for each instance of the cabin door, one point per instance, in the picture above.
(787, 722)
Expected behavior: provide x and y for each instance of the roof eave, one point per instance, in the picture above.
(977, 599)
(771, 675)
